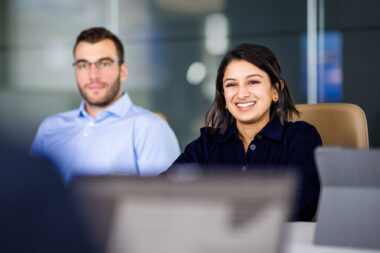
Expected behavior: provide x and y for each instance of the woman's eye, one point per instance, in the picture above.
(230, 84)
(253, 82)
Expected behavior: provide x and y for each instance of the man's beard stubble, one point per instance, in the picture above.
(110, 95)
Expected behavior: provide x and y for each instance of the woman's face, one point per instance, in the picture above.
(248, 93)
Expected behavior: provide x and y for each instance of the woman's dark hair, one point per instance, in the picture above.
(96, 34)
(219, 118)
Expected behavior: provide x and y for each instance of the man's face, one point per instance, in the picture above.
(99, 84)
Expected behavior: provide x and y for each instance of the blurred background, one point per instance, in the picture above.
(328, 50)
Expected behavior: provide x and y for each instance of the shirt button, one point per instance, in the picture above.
(91, 123)
(252, 147)
(85, 134)
(259, 137)
(244, 168)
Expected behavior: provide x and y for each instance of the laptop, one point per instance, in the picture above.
(186, 211)
(349, 209)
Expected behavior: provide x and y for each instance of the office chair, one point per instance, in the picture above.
(161, 116)
(339, 124)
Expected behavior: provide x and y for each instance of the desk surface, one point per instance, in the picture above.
(300, 239)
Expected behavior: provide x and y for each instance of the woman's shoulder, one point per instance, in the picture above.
(208, 133)
(197, 151)
(299, 125)
(209, 137)
(301, 129)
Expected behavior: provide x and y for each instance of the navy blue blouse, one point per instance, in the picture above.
(289, 145)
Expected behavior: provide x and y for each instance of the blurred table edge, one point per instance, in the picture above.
(299, 238)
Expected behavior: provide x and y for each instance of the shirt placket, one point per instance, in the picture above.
(88, 131)
(253, 149)
(243, 156)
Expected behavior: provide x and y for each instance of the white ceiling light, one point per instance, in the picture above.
(216, 32)
(191, 6)
(196, 73)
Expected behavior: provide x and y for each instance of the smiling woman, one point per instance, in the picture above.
(248, 94)
(248, 125)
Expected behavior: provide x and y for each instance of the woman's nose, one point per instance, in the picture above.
(243, 91)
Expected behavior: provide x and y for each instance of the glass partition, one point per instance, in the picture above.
(173, 49)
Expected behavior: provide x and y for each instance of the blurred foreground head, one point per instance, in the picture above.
(36, 212)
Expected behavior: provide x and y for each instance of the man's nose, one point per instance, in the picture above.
(94, 71)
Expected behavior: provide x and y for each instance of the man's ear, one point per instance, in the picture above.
(123, 72)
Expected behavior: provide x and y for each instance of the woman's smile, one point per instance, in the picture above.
(245, 106)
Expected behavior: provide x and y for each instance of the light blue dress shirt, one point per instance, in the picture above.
(124, 138)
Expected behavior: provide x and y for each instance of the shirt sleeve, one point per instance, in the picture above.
(37, 145)
(156, 146)
(301, 149)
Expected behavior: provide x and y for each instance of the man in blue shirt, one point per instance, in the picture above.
(108, 133)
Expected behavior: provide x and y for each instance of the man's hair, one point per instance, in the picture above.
(219, 118)
(96, 34)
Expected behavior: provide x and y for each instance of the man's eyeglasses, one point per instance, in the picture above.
(101, 64)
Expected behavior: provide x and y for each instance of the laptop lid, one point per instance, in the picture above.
(349, 206)
(186, 212)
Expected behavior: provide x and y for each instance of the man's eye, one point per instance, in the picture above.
(82, 65)
(105, 63)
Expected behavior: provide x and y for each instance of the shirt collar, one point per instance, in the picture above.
(82, 110)
(118, 108)
(230, 132)
(272, 130)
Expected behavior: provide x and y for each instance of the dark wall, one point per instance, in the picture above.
(3, 43)
(359, 23)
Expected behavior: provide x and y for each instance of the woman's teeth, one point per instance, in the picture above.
(246, 104)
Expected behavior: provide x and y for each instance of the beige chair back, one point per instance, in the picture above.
(339, 124)
(161, 116)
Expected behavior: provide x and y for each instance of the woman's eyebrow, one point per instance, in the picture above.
(233, 79)
(228, 79)
(254, 75)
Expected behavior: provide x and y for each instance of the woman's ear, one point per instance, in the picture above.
(280, 85)
(275, 96)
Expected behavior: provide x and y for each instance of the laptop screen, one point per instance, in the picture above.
(349, 208)
(186, 212)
